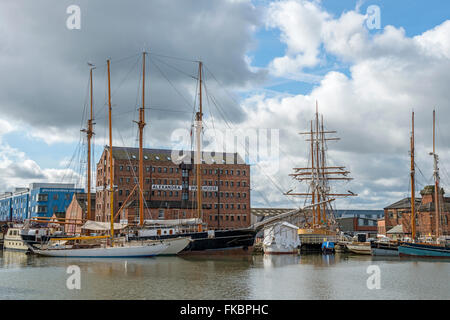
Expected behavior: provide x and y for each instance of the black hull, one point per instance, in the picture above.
(223, 241)
(384, 246)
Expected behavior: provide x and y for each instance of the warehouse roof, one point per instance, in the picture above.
(268, 212)
(403, 204)
(127, 153)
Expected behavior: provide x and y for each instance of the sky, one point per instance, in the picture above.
(368, 65)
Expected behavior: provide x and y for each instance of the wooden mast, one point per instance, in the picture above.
(318, 182)
(413, 190)
(313, 189)
(89, 133)
(141, 125)
(323, 170)
(111, 184)
(436, 178)
(198, 158)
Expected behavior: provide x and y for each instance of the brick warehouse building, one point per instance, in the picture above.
(399, 213)
(170, 187)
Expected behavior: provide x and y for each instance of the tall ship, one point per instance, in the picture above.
(204, 240)
(108, 245)
(440, 248)
(319, 222)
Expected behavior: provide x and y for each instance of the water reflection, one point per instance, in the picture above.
(280, 260)
(306, 276)
(318, 260)
(15, 259)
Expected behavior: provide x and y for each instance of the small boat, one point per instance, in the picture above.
(13, 240)
(359, 248)
(426, 250)
(328, 247)
(341, 246)
(281, 238)
(382, 248)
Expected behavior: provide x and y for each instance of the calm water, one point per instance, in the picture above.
(253, 277)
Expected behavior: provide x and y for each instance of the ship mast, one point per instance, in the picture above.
(198, 157)
(318, 179)
(319, 173)
(89, 133)
(313, 186)
(324, 185)
(413, 191)
(111, 185)
(141, 125)
(436, 177)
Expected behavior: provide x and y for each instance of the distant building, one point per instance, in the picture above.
(399, 213)
(360, 213)
(354, 225)
(39, 200)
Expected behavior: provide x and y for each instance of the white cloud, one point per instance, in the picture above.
(300, 23)
(17, 170)
(390, 75)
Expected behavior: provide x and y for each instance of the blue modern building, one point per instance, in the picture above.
(19, 204)
(5, 206)
(39, 200)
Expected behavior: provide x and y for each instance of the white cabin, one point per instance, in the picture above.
(281, 237)
(13, 240)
